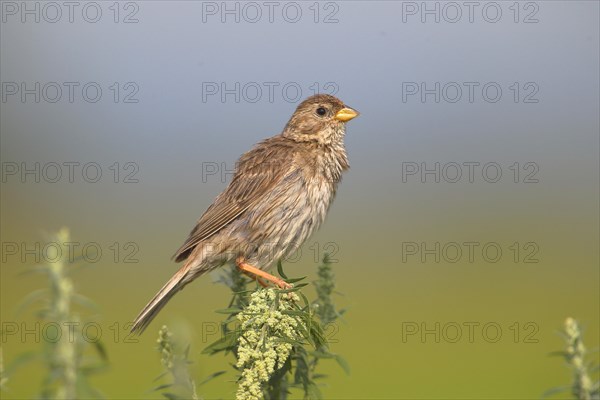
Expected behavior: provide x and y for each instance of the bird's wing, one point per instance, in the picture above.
(254, 180)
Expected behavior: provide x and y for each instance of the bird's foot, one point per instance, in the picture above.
(258, 273)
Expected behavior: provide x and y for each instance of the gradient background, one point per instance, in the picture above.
(170, 132)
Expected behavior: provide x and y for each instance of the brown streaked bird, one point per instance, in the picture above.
(279, 195)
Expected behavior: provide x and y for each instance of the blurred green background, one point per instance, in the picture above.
(383, 222)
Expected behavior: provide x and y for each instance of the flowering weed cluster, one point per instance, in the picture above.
(276, 336)
(269, 331)
(582, 387)
(68, 360)
(176, 365)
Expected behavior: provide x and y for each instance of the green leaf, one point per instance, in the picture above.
(162, 375)
(305, 299)
(343, 363)
(227, 342)
(291, 290)
(230, 310)
(38, 268)
(21, 359)
(294, 312)
(322, 354)
(93, 369)
(211, 377)
(558, 354)
(31, 298)
(294, 280)
(556, 390)
(302, 371)
(85, 302)
(101, 350)
(161, 387)
(280, 270)
(313, 392)
(316, 336)
(289, 340)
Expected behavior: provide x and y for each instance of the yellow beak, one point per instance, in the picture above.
(346, 114)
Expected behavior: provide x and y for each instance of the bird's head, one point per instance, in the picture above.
(320, 118)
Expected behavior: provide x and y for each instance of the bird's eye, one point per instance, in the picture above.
(321, 111)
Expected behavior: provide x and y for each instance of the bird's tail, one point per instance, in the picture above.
(174, 285)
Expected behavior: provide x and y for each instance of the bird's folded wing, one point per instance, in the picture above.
(250, 186)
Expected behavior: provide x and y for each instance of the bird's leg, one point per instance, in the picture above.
(249, 269)
(255, 278)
